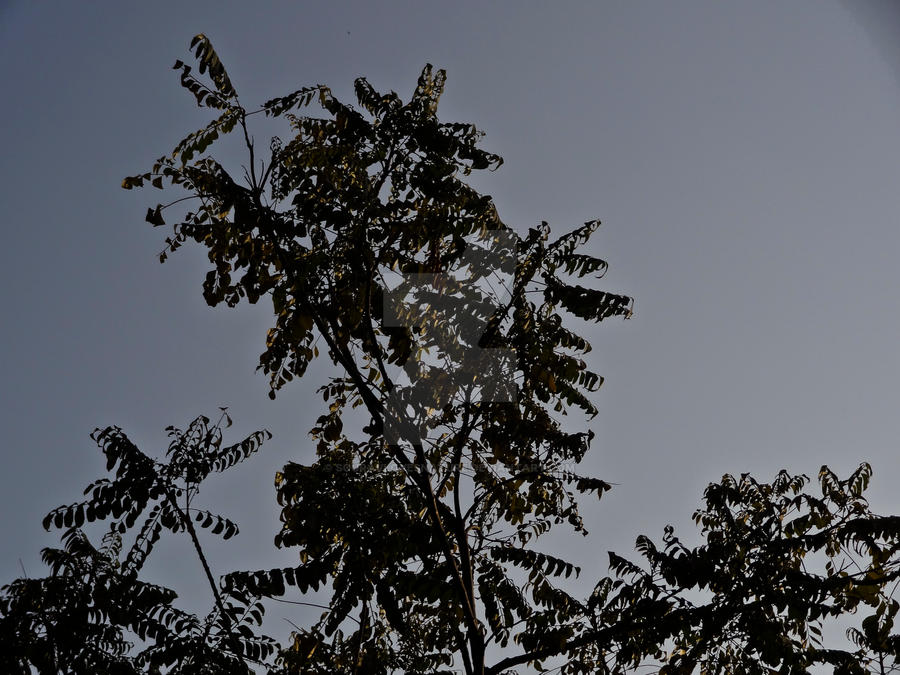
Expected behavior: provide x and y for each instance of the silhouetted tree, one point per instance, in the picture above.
(87, 615)
(454, 335)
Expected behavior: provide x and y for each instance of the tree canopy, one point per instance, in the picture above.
(454, 339)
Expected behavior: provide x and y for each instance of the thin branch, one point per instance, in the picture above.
(189, 525)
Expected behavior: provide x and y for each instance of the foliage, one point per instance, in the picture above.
(452, 333)
(777, 563)
(341, 228)
(89, 614)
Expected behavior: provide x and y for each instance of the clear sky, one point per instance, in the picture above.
(743, 157)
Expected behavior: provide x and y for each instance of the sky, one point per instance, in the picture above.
(743, 158)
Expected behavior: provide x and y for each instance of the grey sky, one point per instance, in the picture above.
(742, 156)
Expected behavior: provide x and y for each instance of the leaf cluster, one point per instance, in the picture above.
(364, 235)
(92, 613)
(777, 564)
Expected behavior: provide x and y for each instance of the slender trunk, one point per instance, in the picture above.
(189, 526)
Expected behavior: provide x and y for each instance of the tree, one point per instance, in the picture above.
(85, 616)
(452, 335)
